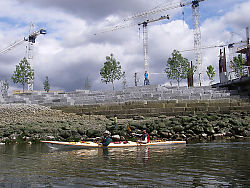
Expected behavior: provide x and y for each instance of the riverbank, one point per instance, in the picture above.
(31, 123)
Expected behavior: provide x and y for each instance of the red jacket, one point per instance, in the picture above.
(147, 135)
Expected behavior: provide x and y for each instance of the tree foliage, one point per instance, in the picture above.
(177, 67)
(46, 84)
(237, 65)
(23, 74)
(111, 70)
(210, 73)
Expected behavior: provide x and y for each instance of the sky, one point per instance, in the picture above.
(70, 53)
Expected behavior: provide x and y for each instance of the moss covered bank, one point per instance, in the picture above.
(30, 123)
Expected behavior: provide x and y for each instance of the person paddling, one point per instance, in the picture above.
(145, 137)
(106, 138)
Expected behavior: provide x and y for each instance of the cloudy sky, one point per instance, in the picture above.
(70, 52)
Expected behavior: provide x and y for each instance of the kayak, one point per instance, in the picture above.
(122, 144)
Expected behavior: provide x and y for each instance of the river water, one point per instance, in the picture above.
(216, 164)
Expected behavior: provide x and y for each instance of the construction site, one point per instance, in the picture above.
(231, 88)
(109, 113)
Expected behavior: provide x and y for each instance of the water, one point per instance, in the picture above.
(225, 164)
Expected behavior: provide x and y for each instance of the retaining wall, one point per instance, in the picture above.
(157, 108)
(152, 100)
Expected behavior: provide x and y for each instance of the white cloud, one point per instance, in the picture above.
(70, 52)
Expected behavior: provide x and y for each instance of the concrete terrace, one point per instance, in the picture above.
(147, 93)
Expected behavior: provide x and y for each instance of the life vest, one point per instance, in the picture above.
(143, 137)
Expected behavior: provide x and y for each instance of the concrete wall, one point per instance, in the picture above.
(240, 86)
(152, 100)
(148, 93)
(157, 108)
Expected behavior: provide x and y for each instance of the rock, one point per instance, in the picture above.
(216, 129)
(212, 117)
(246, 133)
(138, 118)
(238, 130)
(238, 136)
(50, 138)
(178, 128)
(221, 124)
(205, 121)
(26, 139)
(161, 125)
(218, 136)
(116, 137)
(81, 131)
(183, 136)
(64, 134)
(229, 134)
(197, 129)
(93, 133)
(153, 133)
(164, 134)
(13, 136)
(190, 132)
(204, 135)
(36, 122)
(176, 123)
(162, 117)
(235, 122)
(185, 119)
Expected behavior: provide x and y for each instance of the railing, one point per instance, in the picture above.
(15, 92)
(245, 73)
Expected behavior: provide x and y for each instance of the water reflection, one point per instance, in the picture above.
(206, 164)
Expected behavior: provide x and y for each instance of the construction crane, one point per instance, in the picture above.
(145, 39)
(145, 34)
(31, 39)
(196, 28)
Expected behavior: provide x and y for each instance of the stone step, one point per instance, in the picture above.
(150, 93)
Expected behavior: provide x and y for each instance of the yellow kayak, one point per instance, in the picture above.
(83, 144)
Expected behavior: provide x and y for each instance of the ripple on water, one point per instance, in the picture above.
(205, 164)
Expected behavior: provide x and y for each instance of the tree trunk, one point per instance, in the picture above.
(23, 88)
(113, 86)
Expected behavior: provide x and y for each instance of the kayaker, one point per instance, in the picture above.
(145, 137)
(106, 138)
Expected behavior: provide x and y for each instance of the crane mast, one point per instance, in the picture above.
(145, 46)
(197, 42)
(145, 39)
(31, 39)
(30, 55)
(196, 30)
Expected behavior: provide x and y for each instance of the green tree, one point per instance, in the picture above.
(23, 73)
(46, 84)
(177, 67)
(237, 65)
(111, 70)
(210, 73)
